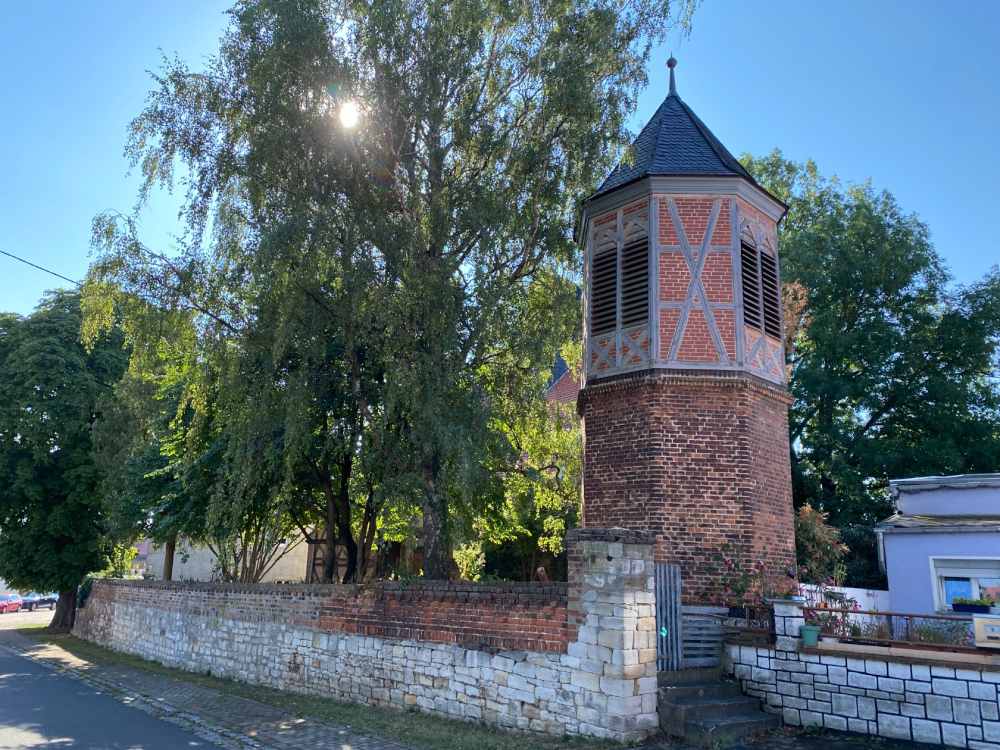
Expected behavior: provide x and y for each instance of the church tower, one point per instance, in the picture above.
(684, 401)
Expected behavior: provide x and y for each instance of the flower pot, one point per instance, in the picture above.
(979, 609)
(809, 635)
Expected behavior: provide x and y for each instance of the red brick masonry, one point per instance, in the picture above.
(698, 458)
(509, 616)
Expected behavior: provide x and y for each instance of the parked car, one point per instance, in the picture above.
(9, 603)
(34, 600)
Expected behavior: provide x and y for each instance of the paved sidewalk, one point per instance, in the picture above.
(230, 722)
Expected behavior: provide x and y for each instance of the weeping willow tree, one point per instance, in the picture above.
(372, 190)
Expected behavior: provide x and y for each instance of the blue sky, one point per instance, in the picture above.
(901, 92)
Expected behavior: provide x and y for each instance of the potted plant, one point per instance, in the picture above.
(809, 634)
(977, 606)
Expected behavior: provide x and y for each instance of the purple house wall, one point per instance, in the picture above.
(943, 541)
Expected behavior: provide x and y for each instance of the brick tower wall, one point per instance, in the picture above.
(700, 460)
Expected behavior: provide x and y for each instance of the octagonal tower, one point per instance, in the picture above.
(684, 402)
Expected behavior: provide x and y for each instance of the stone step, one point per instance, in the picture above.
(688, 676)
(716, 689)
(723, 731)
(681, 710)
(707, 711)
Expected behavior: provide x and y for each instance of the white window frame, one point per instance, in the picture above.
(973, 572)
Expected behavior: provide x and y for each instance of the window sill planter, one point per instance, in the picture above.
(979, 609)
(809, 635)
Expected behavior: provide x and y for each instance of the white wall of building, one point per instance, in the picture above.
(869, 600)
(196, 563)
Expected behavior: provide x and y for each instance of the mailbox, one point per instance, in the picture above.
(987, 631)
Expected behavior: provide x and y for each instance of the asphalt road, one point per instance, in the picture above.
(40, 708)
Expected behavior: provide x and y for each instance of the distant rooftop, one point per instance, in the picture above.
(956, 481)
(939, 524)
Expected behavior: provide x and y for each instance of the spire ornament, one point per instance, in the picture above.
(671, 64)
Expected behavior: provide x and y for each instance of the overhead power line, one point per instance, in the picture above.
(40, 268)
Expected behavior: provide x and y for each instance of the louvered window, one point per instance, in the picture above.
(619, 273)
(771, 295)
(761, 292)
(603, 291)
(751, 285)
(635, 283)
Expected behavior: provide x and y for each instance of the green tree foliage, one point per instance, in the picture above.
(358, 295)
(893, 367)
(819, 550)
(52, 391)
(538, 494)
(120, 560)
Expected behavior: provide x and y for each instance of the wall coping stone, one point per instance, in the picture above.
(985, 662)
(441, 590)
(625, 536)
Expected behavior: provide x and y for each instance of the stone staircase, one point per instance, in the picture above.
(705, 710)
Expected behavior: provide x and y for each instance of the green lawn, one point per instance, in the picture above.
(407, 727)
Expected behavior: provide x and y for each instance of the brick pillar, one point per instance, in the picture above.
(612, 603)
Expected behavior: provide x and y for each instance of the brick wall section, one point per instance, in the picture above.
(699, 460)
(944, 705)
(697, 344)
(694, 212)
(675, 278)
(511, 616)
(725, 321)
(558, 659)
(717, 277)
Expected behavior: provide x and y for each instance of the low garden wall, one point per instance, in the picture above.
(925, 696)
(576, 658)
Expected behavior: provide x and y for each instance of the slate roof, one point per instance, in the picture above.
(674, 143)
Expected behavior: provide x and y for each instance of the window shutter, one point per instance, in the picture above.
(635, 282)
(604, 285)
(771, 295)
(751, 286)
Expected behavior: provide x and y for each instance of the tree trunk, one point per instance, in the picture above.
(436, 553)
(168, 558)
(345, 532)
(65, 614)
(330, 558)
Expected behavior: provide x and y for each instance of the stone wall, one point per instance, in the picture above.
(885, 697)
(577, 658)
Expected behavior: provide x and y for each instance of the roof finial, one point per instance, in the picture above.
(672, 63)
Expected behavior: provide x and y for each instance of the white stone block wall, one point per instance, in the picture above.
(604, 685)
(878, 697)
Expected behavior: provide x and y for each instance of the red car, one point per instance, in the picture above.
(9, 603)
